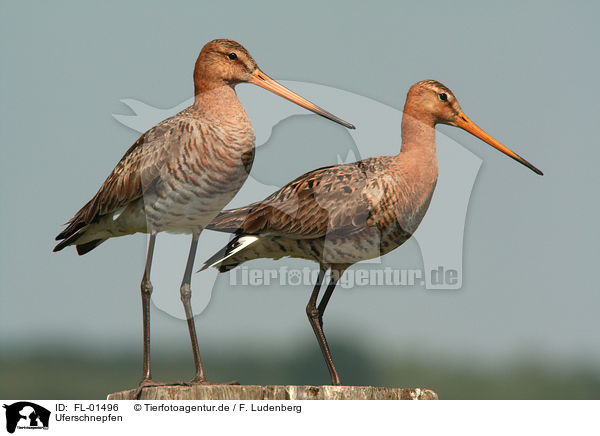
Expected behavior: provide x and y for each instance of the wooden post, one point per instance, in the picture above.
(253, 392)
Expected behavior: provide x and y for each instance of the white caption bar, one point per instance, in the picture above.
(301, 417)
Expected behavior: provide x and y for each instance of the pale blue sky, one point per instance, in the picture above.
(525, 71)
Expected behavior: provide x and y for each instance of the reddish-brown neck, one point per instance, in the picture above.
(201, 87)
(418, 129)
(220, 102)
(417, 158)
(205, 78)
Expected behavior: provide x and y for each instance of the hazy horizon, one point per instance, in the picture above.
(521, 70)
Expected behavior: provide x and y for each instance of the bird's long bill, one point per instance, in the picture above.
(261, 79)
(465, 123)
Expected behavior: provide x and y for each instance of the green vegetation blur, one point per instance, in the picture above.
(66, 374)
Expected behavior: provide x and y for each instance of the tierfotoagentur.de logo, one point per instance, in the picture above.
(25, 415)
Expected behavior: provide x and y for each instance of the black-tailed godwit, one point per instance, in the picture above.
(344, 214)
(181, 173)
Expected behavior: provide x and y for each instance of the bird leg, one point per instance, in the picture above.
(315, 317)
(146, 289)
(186, 296)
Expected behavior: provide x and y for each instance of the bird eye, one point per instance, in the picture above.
(443, 96)
(232, 56)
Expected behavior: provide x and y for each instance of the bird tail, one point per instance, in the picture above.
(236, 245)
(83, 248)
(75, 229)
(88, 246)
(231, 221)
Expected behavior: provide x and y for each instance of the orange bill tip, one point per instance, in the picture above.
(465, 123)
(261, 79)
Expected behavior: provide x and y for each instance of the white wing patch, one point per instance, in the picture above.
(243, 242)
(118, 213)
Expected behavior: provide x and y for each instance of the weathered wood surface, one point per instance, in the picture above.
(253, 392)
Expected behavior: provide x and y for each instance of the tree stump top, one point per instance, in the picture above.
(275, 392)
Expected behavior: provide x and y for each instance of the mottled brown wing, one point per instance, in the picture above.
(137, 170)
(341, 198)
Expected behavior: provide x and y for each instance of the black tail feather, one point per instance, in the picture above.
(70, 240)
(81, 248)
(71, 229)
(88, 246)
(222, 253)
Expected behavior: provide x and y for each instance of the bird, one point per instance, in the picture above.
(343, 214)
(180, 173)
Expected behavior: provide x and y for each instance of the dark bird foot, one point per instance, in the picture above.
(147, 383)
(202, 381)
